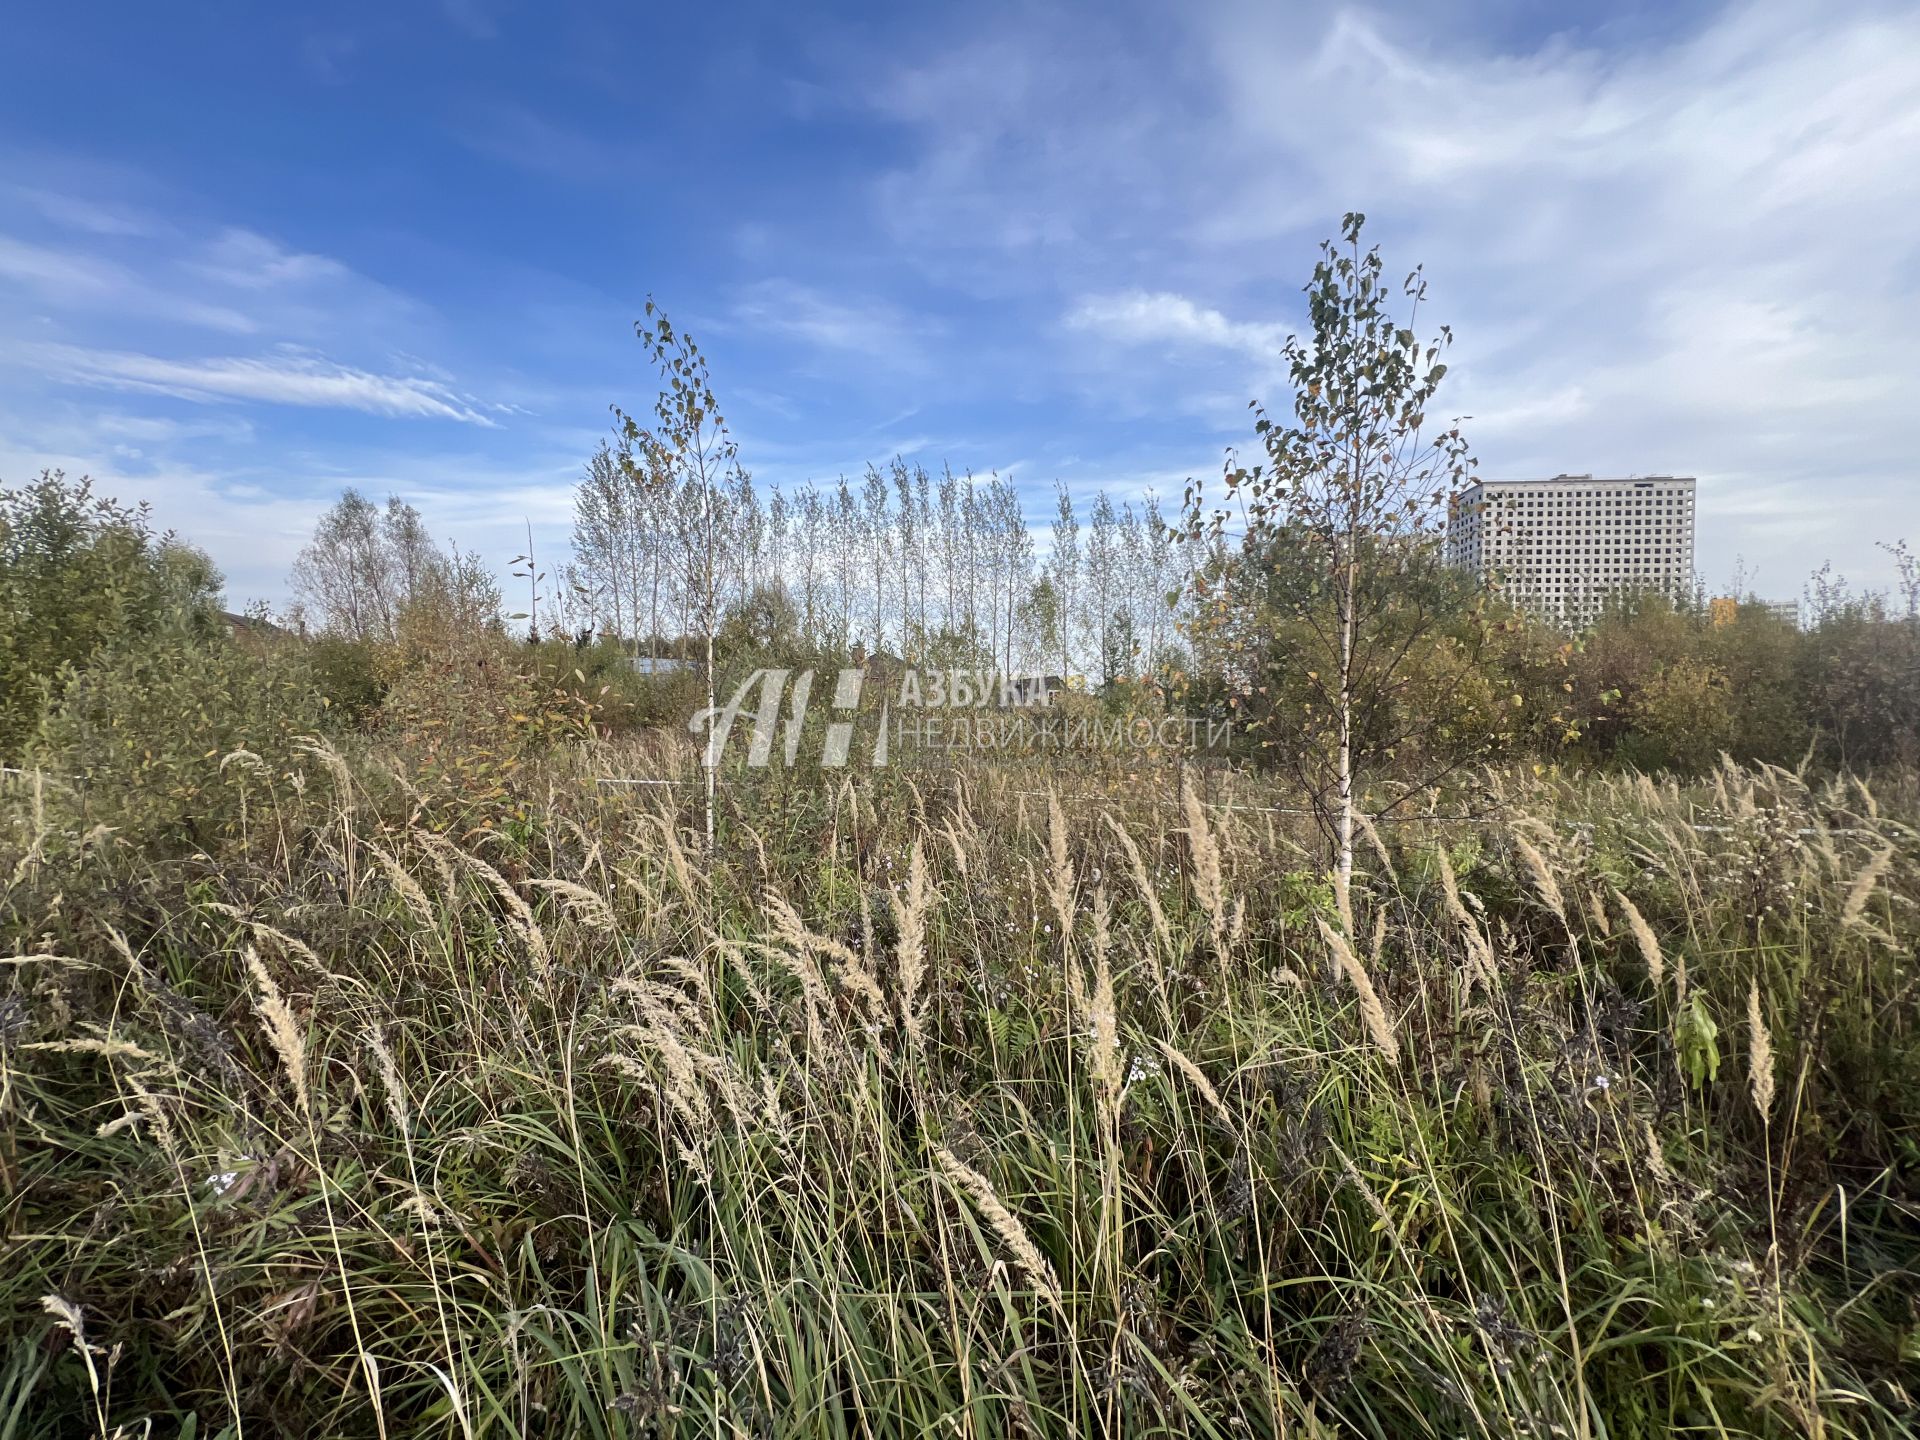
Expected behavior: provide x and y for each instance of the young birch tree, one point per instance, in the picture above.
(1063, 573)
(1351, 499)
(690, 436)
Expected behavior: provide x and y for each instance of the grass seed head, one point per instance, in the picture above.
(1759, 1054)
(1372, 1012)
(283, 1031)
(1003, 1222)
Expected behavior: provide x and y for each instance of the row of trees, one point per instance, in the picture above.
(936, 568)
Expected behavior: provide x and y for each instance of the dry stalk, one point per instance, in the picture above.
(1142, 882)
(1209, 885)
(1541, 874)
(1059, 868)
(1862, 890)
(587, 906)
(406, 887)
(1197, 1078)
(855, 974)
(1103, 1019)
(396, 1093)
(1479, 953)
(520, 915)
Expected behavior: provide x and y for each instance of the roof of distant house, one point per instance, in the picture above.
(251, 624)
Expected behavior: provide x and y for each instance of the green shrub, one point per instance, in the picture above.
(79, 574)
(469, 715)
(168, 735)
(603, 677)
(352, 677)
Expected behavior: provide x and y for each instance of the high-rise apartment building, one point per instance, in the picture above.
(1561, 547)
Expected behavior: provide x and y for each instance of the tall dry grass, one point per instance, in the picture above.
(918, 1109)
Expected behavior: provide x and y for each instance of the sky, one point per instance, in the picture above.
(253, 254)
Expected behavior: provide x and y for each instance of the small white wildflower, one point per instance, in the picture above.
(1141, 1067)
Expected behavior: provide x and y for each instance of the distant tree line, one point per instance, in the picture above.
(935, 568)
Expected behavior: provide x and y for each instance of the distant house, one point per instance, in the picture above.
(883, 668)
(657, 664)
(1026, 690)
(252, 628)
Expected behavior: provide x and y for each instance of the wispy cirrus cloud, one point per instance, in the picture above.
(95, 217)
(309, 381)
(530, 140)
(50, 271)
(88, 301)
(876, 329)
(85, 274)
(60, 279)
(244, 260)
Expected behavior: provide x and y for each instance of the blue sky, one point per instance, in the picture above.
(249, 255)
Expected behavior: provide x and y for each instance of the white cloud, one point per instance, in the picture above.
(244, 260)
(86, 270)
(283, 379)
(1141, 317)
(253, 509)
(94, 304)
(252, 535)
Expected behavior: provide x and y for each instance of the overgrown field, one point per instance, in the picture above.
(950, 1106)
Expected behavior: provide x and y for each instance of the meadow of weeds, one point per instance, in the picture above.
(943, 1103)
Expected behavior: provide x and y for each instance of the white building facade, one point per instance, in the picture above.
(1563, 547)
